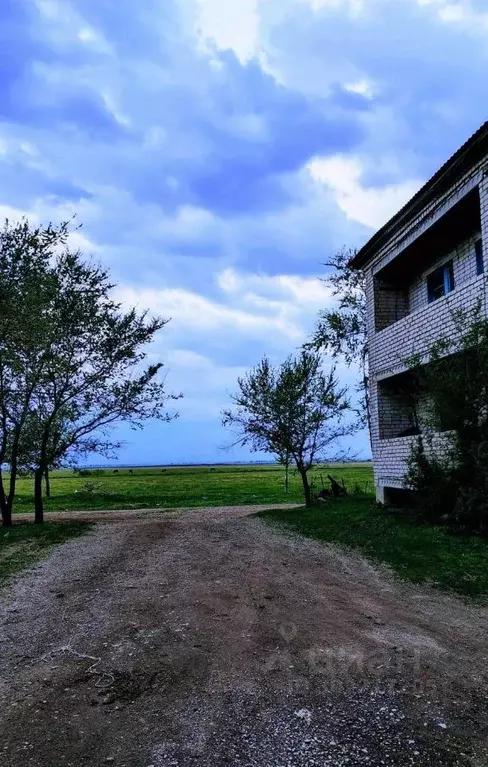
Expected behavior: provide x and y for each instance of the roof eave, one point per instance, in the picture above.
(419, 200)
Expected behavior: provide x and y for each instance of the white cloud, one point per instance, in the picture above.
(306, 291)
(452, 13)
(38, 216)
(370, 206)
(461, 12)
(15, 214)
(230, 25)
(279, 310)
(363, 87)
(205, 383)
(250, 313)
(354, 7)
(65, 26)
(199, 316)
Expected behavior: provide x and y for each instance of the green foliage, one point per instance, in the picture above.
(188, 486)
(430, 479)
(451, 477)
(75, 367)
(23, 545)
(26, 288)
(294, 411)
(418, 553)
(89, 488)
(341, 331)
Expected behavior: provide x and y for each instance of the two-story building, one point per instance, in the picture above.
(428, 260)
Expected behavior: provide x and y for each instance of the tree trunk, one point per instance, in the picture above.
(306, 487)
(5, 508)
(14, 454)
(48, 484)
(38, 503)
(6, 511)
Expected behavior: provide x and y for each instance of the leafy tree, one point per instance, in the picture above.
(448, 466)
(81, 367)
(341, 331)
(25, 287)
(293, 409)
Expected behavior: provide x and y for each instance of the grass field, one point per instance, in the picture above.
(180, 487)
(24, 544)
(418, 553)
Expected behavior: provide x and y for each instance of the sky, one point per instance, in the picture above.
(218, 152)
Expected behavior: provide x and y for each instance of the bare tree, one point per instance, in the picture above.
(293, 409)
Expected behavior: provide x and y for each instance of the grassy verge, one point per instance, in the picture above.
(418, 553)
(183, 487)
(24, 544)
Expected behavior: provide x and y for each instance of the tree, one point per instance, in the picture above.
(448, 465)
(293, 409)
(25, 286)
(81, 369)
(341, 331)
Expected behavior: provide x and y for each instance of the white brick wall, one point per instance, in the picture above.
(484, 215)
(416, 333)
(426, 322)
(464, 265)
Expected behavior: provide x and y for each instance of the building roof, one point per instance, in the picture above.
(465, 158)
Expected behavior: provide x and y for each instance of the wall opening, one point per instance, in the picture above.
(398, 407)
(405, 284)
(390, 303)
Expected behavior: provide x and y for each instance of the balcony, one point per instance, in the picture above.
(415, 333)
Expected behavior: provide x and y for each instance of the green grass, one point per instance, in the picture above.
(418, 553)
(183, 487)
(24, 544)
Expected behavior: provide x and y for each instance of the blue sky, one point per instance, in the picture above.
(218, 152)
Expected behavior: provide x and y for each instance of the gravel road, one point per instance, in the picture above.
(207, 638)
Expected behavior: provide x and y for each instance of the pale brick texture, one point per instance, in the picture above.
(464, 263)
(402, 322)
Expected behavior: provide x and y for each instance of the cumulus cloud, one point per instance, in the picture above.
(372, 206)
(276, 310)
(218, 153)
(230, 25)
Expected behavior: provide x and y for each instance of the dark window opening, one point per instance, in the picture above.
(391, 303)
(440, 282)
(397, 406)
(480, 267)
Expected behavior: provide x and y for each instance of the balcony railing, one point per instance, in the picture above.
(415, 333)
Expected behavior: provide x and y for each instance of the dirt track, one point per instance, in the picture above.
(215, 640)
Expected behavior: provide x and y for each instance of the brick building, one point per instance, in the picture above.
(429, 259)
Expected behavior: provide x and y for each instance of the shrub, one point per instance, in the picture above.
(451, 483)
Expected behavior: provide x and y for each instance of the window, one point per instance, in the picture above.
(440, 282)
(480, 267)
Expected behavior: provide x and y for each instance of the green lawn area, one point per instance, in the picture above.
(417, 553)
(24, 544)
(180, 487)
